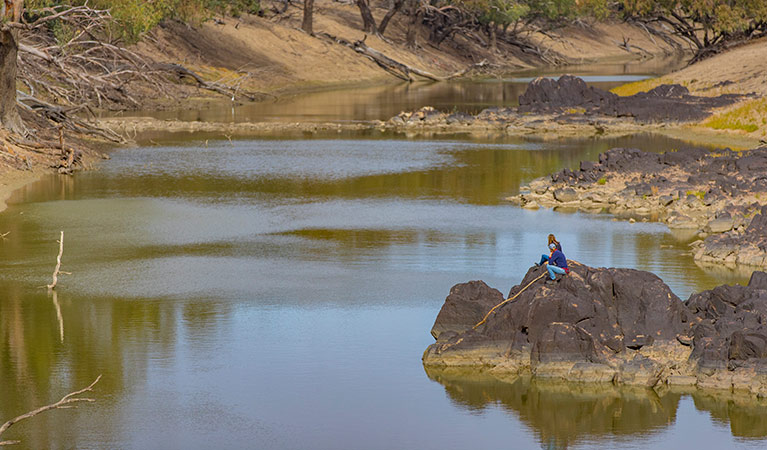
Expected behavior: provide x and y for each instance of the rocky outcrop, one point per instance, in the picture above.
(547, 95)
(705, 192)
(611, 325)
(570, 102)
(736, 247)
(668, 102)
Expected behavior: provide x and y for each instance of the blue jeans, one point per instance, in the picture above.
(554, 269)
(544, 258)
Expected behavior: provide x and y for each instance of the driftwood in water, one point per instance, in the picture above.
(66, 402)
(57, 270)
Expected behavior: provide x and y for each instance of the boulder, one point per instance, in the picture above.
(466, 304)
(566, 195)
(719, 225)
(732, 328)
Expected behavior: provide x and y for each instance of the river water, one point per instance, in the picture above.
(278, 294)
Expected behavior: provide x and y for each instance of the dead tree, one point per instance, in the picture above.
(57, 270)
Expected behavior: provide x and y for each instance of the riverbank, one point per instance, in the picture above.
(739, 70)
(273, 55)
(265, 57)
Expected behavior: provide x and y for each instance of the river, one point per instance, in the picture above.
(278, 294)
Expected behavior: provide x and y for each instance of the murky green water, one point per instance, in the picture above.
(279, 294)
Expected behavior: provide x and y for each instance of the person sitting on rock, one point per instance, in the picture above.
(545, 257)
(557, 264)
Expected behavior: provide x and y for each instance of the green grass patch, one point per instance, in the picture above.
(748, 117)
(602, 180)
(699, 194)
(636, 87)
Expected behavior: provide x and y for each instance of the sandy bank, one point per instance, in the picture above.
(13, 180)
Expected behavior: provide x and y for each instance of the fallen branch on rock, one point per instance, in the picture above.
(66, 402)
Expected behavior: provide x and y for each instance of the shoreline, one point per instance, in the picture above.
(718, 197)
(228, 130)
(15, 180)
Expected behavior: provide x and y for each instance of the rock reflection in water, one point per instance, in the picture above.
(565, 414)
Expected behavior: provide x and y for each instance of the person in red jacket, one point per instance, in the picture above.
(557, 264)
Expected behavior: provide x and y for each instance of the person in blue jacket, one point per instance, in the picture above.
(557, 263)
(545, 257)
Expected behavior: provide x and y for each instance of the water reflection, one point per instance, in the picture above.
(234, 292)
(384, 101)
(569, 414)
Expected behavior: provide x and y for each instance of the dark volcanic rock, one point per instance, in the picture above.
(588, 316)
(619, 325)
(735, 247)
(662, 104)
(546, 94)
(733, 325)
(465, 306)
(718, 194)
(564, 342)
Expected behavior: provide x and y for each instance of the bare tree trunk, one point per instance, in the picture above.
(412, 27)
(9, 116)
(308, 12)
(492, 37)
(9, 49)
(394, 10)
(368, 21)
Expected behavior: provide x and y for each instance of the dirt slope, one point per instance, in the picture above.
(279, 56)
(741, 70)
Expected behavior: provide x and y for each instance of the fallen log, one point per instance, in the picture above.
(182, 72)
(394, 67)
